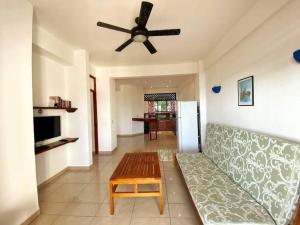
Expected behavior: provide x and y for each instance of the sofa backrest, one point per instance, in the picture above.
(267, 168)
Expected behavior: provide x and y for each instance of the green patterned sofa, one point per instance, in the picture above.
(243, 177)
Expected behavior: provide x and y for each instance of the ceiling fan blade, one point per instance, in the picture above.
(124, 45)
(150, 47)
(112, 27)
(145, 11)
(164, 32)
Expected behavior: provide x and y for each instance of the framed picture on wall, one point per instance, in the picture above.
(246, 91)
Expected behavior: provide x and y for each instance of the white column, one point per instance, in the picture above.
(202, 96)
(79, 122)
(18, 189)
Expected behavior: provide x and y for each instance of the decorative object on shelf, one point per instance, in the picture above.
(296, 55)
(216, 89)
(58, 102)
(246, 91)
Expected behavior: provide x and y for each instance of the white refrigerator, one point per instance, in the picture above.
(187, 126)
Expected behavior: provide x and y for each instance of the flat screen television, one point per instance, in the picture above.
(46, 127)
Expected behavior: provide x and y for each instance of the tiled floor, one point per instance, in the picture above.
(81, 197)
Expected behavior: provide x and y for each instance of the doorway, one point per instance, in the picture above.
(94, 118)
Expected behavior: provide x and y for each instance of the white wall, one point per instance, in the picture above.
(202, 90)
(138, 111)
(252, 20)
(160, 90)
(130, 104)
(153, 70)
(104, 111)
(79, 123)
(113, 110)
(18, 191)
(187, 91)
(49, 79)
(62, 71)
(267, 55)
(51, 46)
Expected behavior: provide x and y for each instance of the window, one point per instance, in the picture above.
(161, 106)
(161, 102)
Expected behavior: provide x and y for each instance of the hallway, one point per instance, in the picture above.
(81, 197)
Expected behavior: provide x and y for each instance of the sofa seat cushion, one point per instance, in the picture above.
(217, 198)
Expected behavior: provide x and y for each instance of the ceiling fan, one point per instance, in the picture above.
(140, 33)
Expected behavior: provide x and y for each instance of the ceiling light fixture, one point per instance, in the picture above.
(139, 38)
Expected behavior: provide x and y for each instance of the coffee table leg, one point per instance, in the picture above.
(161, 198)
(111, 199)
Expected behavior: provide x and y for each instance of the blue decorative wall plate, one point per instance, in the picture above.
(297, 55)
(216, 89)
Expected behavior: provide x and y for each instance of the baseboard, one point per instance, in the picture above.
(79, 168)
(107, 152)
(130, 135)
(69, 168)
(31, 218)
(52, 178)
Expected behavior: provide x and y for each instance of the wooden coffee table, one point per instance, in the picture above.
(136, 169)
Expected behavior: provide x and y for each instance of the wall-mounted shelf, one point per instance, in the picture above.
(70, 110)
(44, 148)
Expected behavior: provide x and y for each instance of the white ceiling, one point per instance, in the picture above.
(202, 24)
(156, 82)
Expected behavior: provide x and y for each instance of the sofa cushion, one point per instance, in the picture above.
(217, 198)
(266, 167)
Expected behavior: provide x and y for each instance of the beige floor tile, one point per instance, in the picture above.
(73, 220)
(122, 188)
(65, 193)
(182, 211)
(101, 165)
(52, 208)
(93, 193)
(44, 220)
(150, 221)
(149, 187)
(169, 166)
(102, 177)
(184, 221)
(77, 177)
(149, 207)
(120, 200)
(121, 210)
(50, 187)
(177, 193)
(81, 209)
(173, 176)
(110, 221)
